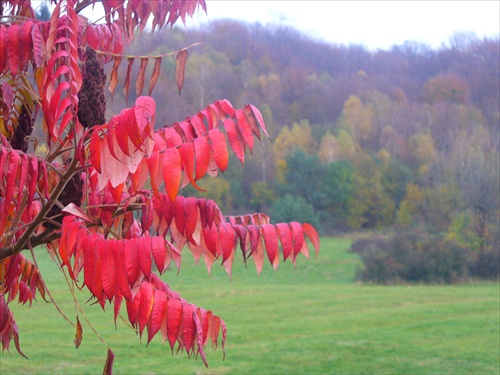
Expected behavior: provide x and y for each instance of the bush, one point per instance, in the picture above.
(290, 208)
(412, 257)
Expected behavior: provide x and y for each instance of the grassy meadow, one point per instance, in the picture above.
(309, 319)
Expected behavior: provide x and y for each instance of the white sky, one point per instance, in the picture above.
(374, 24)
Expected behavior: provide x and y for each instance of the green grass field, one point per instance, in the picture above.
(308, 319)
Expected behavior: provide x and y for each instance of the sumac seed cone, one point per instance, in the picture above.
(92, 97)
(22, 131)
(72, 193)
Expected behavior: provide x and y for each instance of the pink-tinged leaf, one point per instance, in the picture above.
(74, 210)
(174, 320)
(310, 232)
(172, 172)
(298, 237)
(145, 261)
(108, 367)
(202, 153)
(285, 235)
(146, 306)
(271, 241)
(140, 176)
(180, 68)
(157, 313)
(235, 140)
(219, 148)
(175, 255)
(145, 108)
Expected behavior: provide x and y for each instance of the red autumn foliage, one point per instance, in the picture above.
(120, 235)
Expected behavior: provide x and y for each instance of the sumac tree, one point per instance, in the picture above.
(104, 196)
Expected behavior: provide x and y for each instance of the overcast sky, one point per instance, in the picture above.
(374, 24)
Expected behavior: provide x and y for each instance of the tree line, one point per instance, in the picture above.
(401, 138)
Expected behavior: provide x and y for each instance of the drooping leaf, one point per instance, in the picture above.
(126, 86)
(108, 367)
(180, 68)
(139, 83)
(79, 333)
(155, 75)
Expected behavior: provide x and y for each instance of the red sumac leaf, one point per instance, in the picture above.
(157, 313)
(145, 261)
(188, 326)
(271, 241)
(219, 148)
(235, 140)
(310, 232)
(146, 306)
(174, 320)
(172, 172)
(285, 235)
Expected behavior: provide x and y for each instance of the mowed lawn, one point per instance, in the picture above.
(309, 319)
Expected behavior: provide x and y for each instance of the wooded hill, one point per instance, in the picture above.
(361, 139)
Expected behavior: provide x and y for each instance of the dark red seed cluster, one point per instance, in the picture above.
(23, 130)
(92, 98)
(72, 193)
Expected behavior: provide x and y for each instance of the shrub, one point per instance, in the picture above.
(412, 257)
(293, 208)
